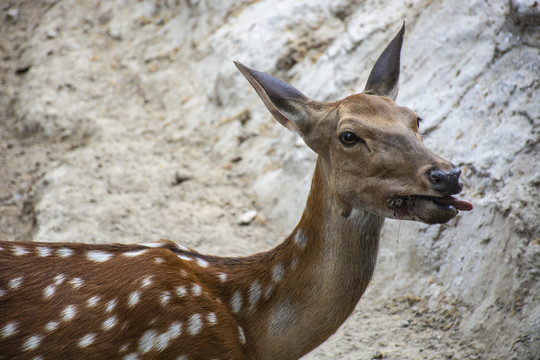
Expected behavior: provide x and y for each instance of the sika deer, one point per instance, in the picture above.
(163, 301)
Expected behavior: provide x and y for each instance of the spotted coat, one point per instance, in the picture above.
(110, 301)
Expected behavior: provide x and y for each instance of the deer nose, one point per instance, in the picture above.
(445, 182)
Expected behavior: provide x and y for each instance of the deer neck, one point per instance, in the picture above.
(307, 286)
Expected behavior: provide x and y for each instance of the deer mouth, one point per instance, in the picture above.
(428, 209)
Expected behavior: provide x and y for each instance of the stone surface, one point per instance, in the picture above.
(525, 12)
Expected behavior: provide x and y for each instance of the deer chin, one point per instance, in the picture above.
(427, 209)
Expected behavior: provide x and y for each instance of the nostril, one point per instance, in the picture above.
(445, 182)
(435, 176)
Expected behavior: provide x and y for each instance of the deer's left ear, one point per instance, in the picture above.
(288, 105)
(384, 77)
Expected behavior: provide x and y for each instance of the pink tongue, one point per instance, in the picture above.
(457, 203)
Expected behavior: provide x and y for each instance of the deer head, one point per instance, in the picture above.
(370, 149)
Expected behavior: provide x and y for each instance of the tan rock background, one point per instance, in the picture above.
(126, 121)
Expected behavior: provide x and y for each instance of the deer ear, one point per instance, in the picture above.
(384, 77)
(286, 103)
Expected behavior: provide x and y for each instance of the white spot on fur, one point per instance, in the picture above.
(146, 343)
(132, 356)
(134, 298)
(69, 312)
(211, 318)
(124, 348)
(254, 294)
(134, 253)
(43, 251)
(92, 301)
(236, 302)
(76, 282)
(159, 260)
(194, 324)
(64, 252)
(163, 340)
(222, 277)
(14, 284)
(165, 297)
(281, 317)
(277, 273)
(109, 323)
(98, 256)
(51, 325)
(152, 244)
(49, 291)
(19, 250)
(147, 281)
(184, 273)
(182, 247)
(37, 358)
(59, 279)
(9, 329)
(182, 357)
(87, 340)
(294, 263)
(111, 305)
(196, 290)
(300, 239)
(241, 335)
(2, 293)
(202, 262)
(185, 257)
(32, 342)
(268, 291)
(175, 330)
(181, 291)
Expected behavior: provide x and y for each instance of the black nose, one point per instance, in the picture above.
(445, 182)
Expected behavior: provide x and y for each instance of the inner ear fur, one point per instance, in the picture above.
(287, 104)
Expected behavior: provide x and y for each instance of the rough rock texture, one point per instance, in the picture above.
(127, 121)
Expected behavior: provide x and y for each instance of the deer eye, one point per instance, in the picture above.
(348, 138)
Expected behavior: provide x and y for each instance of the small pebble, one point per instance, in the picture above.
(405, 323)
(247, 217)
(13, 14)
(180, 178)
(51, 34)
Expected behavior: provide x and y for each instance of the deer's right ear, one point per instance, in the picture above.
(288, 105)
